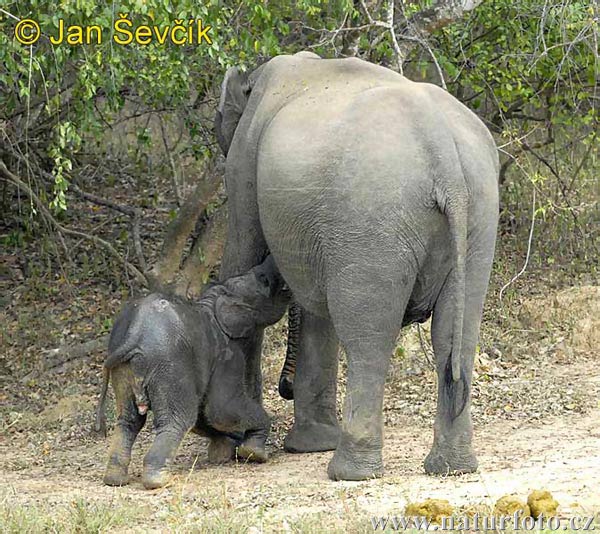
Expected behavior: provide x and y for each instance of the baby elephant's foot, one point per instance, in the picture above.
(116, 475)
(155, 478)
(312, 437)
(356, 460)
(253, 449)
(221, 449)
(450, 461)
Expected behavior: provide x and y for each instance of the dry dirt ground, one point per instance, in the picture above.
(537, 426)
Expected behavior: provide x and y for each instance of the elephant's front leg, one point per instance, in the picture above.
(316, 427)
(241, 415)
(245, 248)
(222, 449)
(253, 446)
(129, 424)
(253, 373)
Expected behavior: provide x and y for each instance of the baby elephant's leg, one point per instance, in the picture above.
(258, 425)
(129, 424)
(161, 453)
(245, 416)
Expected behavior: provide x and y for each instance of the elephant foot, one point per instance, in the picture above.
(312, 437)
(221, 449)
(253, 450)
(456, 461)
(346, 465)
(116, 475)
(155, 478)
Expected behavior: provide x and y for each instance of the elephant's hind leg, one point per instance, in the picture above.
(367, 309)
(129, 424)
(452, 451)
(316, 427)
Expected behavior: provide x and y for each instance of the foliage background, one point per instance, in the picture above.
(108, 156)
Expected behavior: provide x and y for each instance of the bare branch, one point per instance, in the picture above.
(389, 26)
(134, 213)
(181, 227)
(395, 44)
(127, 210)
(171, 162)
(137, 240)
(529, 241)
(57, 360)
(425, 45)
(15, 180)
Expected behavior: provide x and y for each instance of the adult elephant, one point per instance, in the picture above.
(378, 198)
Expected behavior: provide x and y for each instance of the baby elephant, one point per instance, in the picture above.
(185, 361)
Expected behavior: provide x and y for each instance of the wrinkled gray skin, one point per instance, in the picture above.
(185, 361)
(378, 198)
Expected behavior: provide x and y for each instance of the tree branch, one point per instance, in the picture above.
(134, 213)
(15, 180)
(171, 162)
(181, 227)
(57, 359)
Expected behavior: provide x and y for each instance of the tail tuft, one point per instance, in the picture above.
(455, 391)
(100, 423)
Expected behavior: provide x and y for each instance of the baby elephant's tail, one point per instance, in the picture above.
(100, 424)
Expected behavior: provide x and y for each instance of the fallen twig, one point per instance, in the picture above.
(56, 359)
(171, 162)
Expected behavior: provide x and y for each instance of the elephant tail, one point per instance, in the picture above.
(453, 202)
(100, 424)
(288, 373)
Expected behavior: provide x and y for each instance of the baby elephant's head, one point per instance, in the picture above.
(257, 298)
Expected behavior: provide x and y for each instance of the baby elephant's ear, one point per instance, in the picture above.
(235, 318)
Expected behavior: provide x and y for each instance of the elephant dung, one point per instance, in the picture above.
(432, 509)
(509, 504)
(541, 502)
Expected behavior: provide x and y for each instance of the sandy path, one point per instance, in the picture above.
(562, 455)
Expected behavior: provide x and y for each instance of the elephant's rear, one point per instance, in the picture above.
(147, 324)
(351, 178)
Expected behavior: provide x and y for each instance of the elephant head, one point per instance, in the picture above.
(185, 362)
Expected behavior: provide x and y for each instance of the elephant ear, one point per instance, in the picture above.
(235, 91)
(234, 317)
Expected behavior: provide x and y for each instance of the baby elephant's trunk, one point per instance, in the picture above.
(100, 424)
